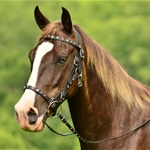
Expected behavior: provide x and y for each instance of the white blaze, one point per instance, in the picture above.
(28, 97)
(41, 51)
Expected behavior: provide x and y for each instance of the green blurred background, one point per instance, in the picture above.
(122, 27)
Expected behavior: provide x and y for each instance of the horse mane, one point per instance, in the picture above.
(115, 80)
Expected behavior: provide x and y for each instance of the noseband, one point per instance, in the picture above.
(75, 73)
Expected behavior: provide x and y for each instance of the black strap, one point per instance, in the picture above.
(61, 134)
(36, 90)
(63, 119)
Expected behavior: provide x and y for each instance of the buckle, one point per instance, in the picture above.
(76, 61)
(80, 78)
(52, 105)
(82, 53)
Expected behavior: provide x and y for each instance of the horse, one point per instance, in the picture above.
(109, 109)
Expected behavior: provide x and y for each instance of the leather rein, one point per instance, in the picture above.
(75, 74)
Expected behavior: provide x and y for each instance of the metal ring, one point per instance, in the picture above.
(76, 71)
(48, 111)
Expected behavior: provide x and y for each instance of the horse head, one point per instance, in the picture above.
(55, 66)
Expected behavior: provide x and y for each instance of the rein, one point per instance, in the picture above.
(63, 119)
(75, 74)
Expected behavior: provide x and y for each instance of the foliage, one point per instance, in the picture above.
(122, 27)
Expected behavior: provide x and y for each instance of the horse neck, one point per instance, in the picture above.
(96, 116)
(90, 108)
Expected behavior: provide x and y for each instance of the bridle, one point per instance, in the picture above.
(74, 74)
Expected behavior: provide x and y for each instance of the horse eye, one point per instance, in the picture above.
(62, 60)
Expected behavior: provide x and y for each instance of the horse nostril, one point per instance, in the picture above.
(32, 116)
(17, 116)
(16, 113)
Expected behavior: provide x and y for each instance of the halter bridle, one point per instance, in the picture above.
(75, 74)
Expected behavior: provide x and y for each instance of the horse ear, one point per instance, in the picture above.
(66, 20)
(41, 20)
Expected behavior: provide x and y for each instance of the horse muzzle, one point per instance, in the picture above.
(29, 120)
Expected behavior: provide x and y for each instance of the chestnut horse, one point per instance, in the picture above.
(104, 101)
